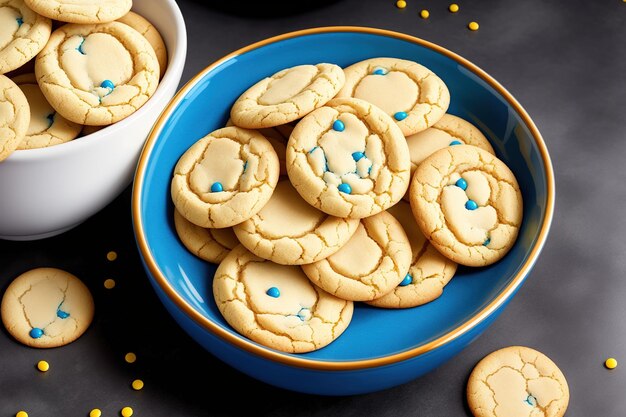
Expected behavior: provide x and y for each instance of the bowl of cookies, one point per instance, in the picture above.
(82, 85)
(357, 207)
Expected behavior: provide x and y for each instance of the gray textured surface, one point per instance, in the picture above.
(564, 61)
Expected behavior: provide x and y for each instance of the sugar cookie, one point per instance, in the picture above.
(348, 159)
(429, 272)
(212, 245)
(287, 95)
(517, 381)
(225, 178)
(290, 231)
(276, 305)
(373, 262)
(14, 116)
(81, 11)
(412, 94)
(97, 74)
(47, 307)
(152, 35)
(467, 203)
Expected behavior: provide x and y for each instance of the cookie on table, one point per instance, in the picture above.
(14, 116)
(468, 204)
(517, 381)
(211, 245)
(47, 127)
(97, 74)
(81, 11)
(429, 272)
(348, 159)
(46, 308)
(276, 305)
(152, 35)
(412, 94)
(290, 231)
(287, 95)
(373, 262)
(225, 178)
(24, 33)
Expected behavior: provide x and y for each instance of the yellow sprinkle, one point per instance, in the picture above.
(424, 14)
(611, 363)
(43, 366)
(137, 384)
(401, 4)
(473, 26)
(95, 413)
(126, 412)
(21, 414)
(455, 7)
(109, 283)
(130, 357)
(111, 256)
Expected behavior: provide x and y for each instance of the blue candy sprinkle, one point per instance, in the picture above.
(107, 84)
(273, 292)
(455, 142)
(461, 183)
(50, 118)
(471, 205)
(358, 155)
(406, 281)
(345, 188)
(339, 126)
(301, 315)
(245, 166)
(401, 115)
(379, 71)
(20, 22)
(35, 333)
(530, 400)
(487, 242)
(217, 187)
(62, 314)
(80, 47)
(313, 149)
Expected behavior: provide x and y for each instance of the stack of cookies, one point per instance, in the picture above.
(384, 195)
(100, 64)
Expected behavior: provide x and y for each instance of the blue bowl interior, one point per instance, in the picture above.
(373, 332)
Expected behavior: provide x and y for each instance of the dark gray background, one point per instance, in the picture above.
(564, 61)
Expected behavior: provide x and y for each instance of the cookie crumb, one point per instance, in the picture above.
(130, 357)
(137, 384)
(424, 14)
(611, 363)
(112, 255)
(453, 8)
(401, 4)
(473, 26)
(43, 366)
(126, 412)
(109, 283)
(95, 413)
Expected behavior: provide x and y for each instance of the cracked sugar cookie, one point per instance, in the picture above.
(412, 94)
(225, 178)
(47, 127)
(14, 116)
(211, 245)
(429, 272)
(467, 202)
(348, 159)
(81, 11)
(517, 381)
(152, 35)
(97, 74)
(47, 307)
(23, 33)
(290, 231)
(373, 262)
(276, 305)
(287, 95)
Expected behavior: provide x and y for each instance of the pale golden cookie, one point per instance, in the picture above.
(81, 11)
(412, 94)
(287, 95)
(348, 159)
(429, 272)
(23, 33)
(211, 245)
(517, 381)
(467, 203)
(47, 127)
(276, 305)
(14, 116)
(225, 178)
(373, 262)
(97, 74)
(47, 307)
(290, 231)
(152, 35)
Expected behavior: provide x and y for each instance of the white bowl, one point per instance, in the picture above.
(45, 192)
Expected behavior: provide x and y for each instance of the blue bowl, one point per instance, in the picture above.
(380, 348)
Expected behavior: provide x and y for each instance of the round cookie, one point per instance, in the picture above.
(468, 204)
(348, 159)
(287, 95)
(373, 262)
(97, 74)
(14, 116)
(276, 305)
(225, 178)
(290, 231)
(152, 35)
(517, 381)
(81, 11)
(211, 245)
(23, 33)
(47, 307)
(47, 127)
(429, 272)
(412, 94)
